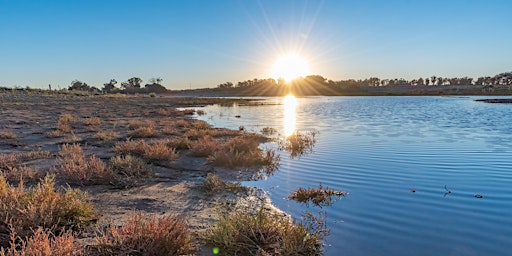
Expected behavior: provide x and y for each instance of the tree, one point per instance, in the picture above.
(79, 85)
(226, 85)
(157, 80)
(110, 86)
(133, 82)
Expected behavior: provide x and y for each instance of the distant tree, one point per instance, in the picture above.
(110, 86)
(156, 81)
(133, 82)
(79, 85)
(226, 85)
(315, 79)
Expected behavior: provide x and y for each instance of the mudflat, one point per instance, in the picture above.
(38, 124)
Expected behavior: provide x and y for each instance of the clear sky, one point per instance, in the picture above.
(204, 43)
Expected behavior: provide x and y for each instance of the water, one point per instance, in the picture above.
(378, 149)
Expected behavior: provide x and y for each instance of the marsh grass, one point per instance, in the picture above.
(200, 125)
(147, 235)
(182, 143)
(243, 151)
(91, 121)
(43, 243)
(318, 196)
(156, 150)
(205, 146)
(64, 123)
(299, 143)
(213, 184)
(8, 135)
(129, 170)
(24, 209)
(264, 234)
(105, 135)
(143, 132)
(77, 168)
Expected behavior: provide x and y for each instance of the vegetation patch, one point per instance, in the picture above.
(147, 235)
(44, 243)
(264, 234)
(156, 150)
(129, 170)
(213, 184)
(318, 196)
(106, 135)
(205, 146)
(77, 168)
(24, 209)
(299, 143)
(243, 151)
(8, 135)
(182, 143)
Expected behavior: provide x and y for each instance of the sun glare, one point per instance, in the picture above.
(289, 103)
(290, 67)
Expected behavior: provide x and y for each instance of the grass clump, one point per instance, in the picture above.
(201, 125)
(64, 123)
(205, 146)
(77, 168)
(263, 234)
(130, 170)
(44, 243)
(243, 151)
(318, 196)
(180, 143)
(213, 184)
(299, 144)
(147, 235)
(156, 150)
(143, 132)
(8, 135)
(105, 135)
(24, 209)
(91, 121)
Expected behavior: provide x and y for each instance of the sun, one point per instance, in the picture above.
(290, 67)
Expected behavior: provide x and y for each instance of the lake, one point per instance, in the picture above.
(380, 150)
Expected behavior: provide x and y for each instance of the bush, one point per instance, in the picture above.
(263, 234)
(156, 150)
(105, 135)
(318, 196)
(213, 184)
(147, 236)
(129, 170)
(42, 206)
(205, 146)
(243, 151)
(77, 168)
(44, 243)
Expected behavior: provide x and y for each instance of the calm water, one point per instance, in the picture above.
(378, 149)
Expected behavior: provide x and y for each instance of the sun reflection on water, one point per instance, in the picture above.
(289, 103)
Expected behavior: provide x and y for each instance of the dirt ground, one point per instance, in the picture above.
(29, 123)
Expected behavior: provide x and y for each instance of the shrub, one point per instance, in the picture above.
(77, 168)
(135, 124)
(105, 135)
(298, 143)
(143, 132)
(64, 123)
(130, 170)
(318, 196)
(44, 243)
(91, 121)
(147, 236)
(264, 234)
(180, 143)
(213, 184)
(243, 151)
(201, 125)
(8, 135)
(182, 123)
(205, 146)
(42, 206)
(157, 150)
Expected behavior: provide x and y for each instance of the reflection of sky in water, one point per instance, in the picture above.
(378, 149)
(289, 119)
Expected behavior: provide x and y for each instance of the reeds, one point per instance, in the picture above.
(156, 150)
(318, 196)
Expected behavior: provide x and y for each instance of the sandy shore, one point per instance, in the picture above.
(29, 123)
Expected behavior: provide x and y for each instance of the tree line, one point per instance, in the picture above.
(132, 85)
(502, 79)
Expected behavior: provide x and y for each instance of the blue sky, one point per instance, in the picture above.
(205, 43)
